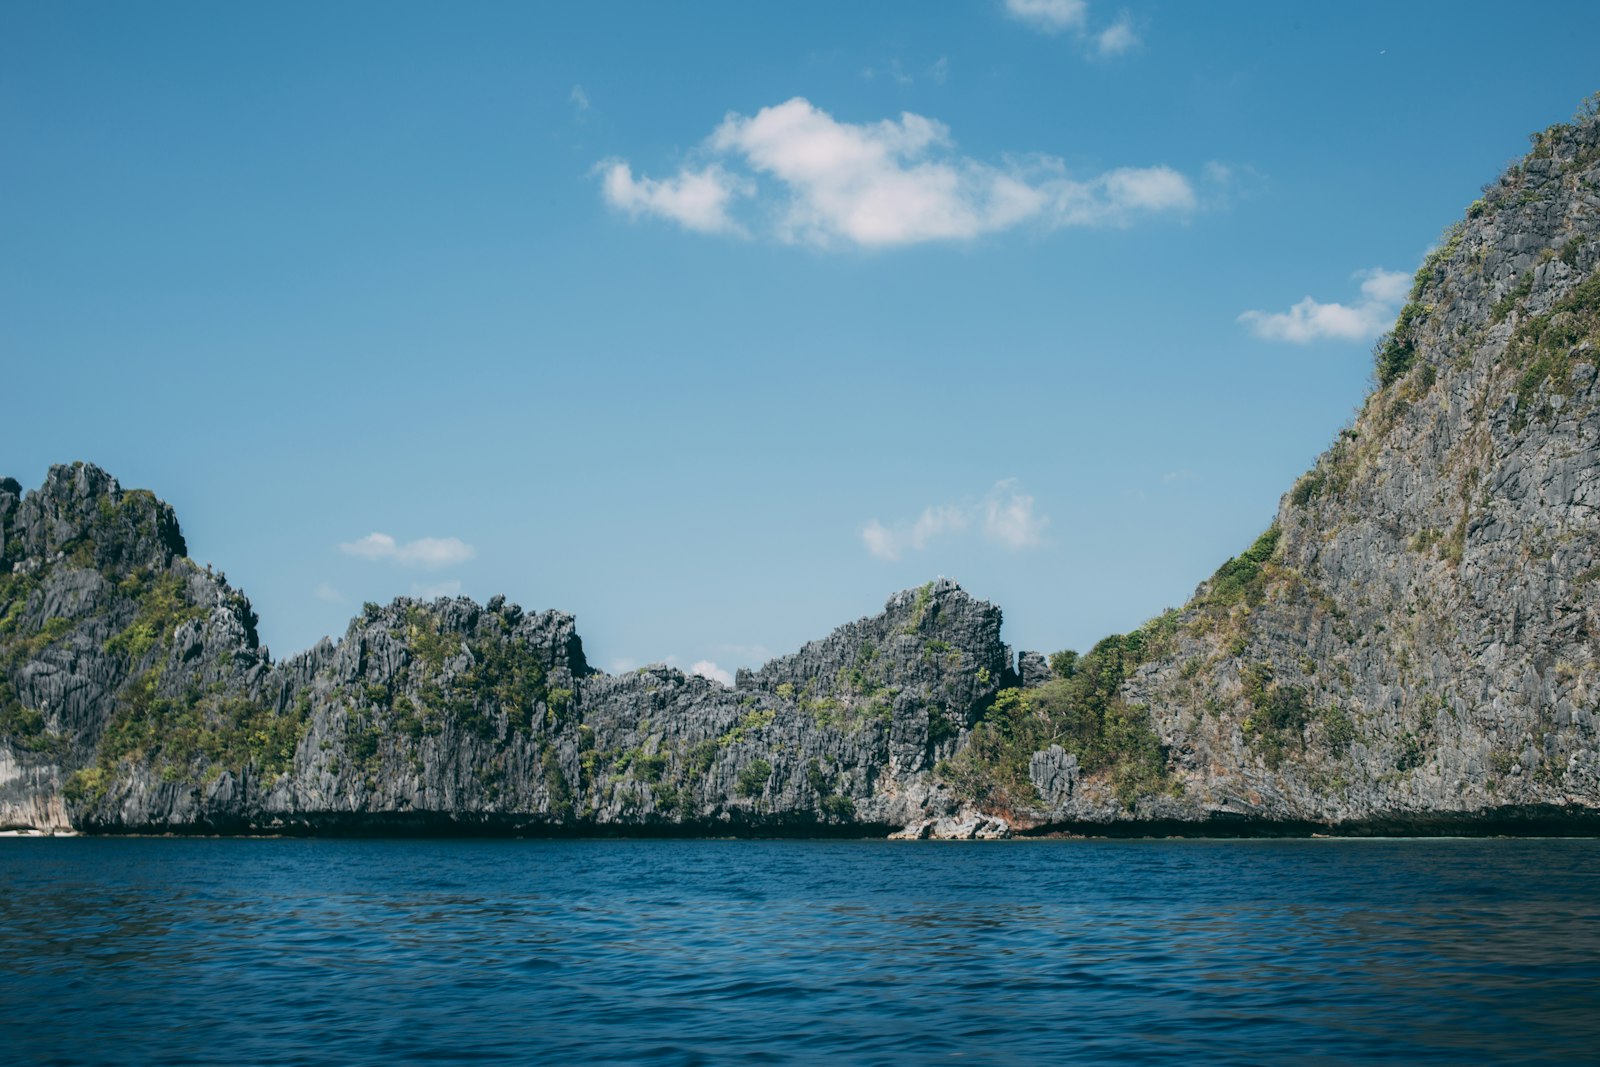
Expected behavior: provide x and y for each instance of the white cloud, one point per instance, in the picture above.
(1311, 320)
(578, 99)
(434, 590)
(934, 521)
(427, 552)
(880, 184)
(1117, 38)
(1051, 16)
(1008, 518)
(1005, 516)
(696, 200)
(328, 593)
(1063, 16)
(1384, 286)
(747, 653)
(707, 669)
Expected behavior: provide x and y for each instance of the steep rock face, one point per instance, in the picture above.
(137, 698)
(1420, 636)
(95, 594)
(1413, 644)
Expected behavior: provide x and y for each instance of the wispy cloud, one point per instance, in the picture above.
(1117, 38)
(1009, 519)
(895, 71)
(707, 669)
(426, 552)
(1050, 16)
(745, 653)
(1004, 516)
(328, 594)
(804, 177)
(434, 590)
(1382, 292)
(578, 99)
(696, 200)
(1072, 17)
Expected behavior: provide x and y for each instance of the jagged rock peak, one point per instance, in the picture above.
(81, 511)
(462, 617)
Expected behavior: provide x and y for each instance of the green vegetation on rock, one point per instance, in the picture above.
(1081, 710)
(1547, 348)
(753, 779)
(163, 607)
(1243, 578)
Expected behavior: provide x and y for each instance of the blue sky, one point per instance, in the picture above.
(714, 325)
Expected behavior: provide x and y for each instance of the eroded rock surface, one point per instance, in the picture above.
(1413, 645)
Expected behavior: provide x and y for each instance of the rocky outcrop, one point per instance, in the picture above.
(1412, 646)
(136, 698)
(963, 826)
(1416, 637)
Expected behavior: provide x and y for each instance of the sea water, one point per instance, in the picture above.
(177, 951)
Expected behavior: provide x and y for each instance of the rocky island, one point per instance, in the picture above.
(1410, 646)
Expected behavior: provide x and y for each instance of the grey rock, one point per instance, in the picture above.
(1032, 669)
(966, 825)
(1417, 652)
(1054, 773)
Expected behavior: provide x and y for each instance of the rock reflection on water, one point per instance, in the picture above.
(683, 952)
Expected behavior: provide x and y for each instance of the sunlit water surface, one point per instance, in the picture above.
(684, 952)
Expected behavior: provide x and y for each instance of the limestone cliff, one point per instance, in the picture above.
(135, 697)
(1414, 641)
(1411, 645)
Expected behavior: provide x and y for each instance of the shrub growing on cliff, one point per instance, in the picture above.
(753, 779)
(1397, 350)
(163, 607)
(1241, 577)
(1083, 712)
(1548, 347)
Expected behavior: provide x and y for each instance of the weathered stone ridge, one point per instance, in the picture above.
(1423, 639)
(137, 698)
(1413, 645)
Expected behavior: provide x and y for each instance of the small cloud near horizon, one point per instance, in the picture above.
(1382, 292)
(707, 669)
(1004, 516)
(430, 553)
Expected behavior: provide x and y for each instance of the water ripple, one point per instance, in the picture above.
(703, 952)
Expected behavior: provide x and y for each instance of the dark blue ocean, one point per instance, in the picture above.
(684, 952)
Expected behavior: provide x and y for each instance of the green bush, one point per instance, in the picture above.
(1279, 715)
(753, 779)
(838, 806)
(1546, 348)
(699, 758)
(163, 607)
(1083, 712)
(1241, 578)
(1397, 350)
